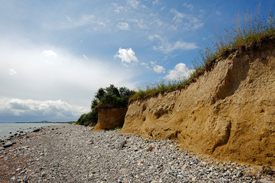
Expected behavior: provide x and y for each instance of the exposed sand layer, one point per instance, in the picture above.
(227, 112)
(110, 118)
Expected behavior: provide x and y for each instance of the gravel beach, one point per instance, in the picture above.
(74, 153)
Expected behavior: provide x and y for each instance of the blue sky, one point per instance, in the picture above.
(56, 54)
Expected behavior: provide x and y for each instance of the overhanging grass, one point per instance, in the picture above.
(158, 87)
(242, 34)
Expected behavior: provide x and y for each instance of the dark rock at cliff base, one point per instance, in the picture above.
(266, 170)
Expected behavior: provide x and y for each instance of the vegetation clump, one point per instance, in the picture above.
(161, 86)
(109, 97)
(243, 34)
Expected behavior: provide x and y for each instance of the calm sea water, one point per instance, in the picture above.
(6, 128)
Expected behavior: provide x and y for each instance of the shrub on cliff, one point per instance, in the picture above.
(87, 119)
(109, 97)
(112, 97)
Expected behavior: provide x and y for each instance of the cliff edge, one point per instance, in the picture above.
(228, 112)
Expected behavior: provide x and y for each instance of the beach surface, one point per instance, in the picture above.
(74, 153)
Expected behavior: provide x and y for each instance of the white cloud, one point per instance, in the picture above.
(35, 110)
(179, 72)
(72, 22)
(155, 2)
(126, 56)
(86, 57)
(118, 8)
(178, 16)
(49, 53)
(133, 3)
(166, 47)
(123, 26)
(83, 20)
(185, 21)
(139, 23)
(143, 6)
(218, 13)
(145, 64)
(12, 72)
(159, 69)
(190, 6)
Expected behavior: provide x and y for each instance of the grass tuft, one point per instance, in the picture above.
(157, 87)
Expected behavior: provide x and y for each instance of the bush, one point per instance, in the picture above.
(113, 97)
(86, 119)
(106, 97)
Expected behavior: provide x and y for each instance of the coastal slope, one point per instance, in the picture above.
(228, 111)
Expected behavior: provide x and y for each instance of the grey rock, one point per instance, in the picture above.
(8, 144)
(43, 174)
(120, 145)
(265, 181)
(36, 130)
(239, 173)
(124, 171)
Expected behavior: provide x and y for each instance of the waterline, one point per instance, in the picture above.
(7, 129)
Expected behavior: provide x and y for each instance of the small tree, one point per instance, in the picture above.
(106, 97)
(114, 97)
(112, 90)
(100, 94)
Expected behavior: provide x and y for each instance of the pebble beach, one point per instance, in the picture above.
(74, 153)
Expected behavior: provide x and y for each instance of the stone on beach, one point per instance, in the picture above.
(8, 144)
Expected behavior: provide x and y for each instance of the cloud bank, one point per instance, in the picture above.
(13, 109)
(43, 73)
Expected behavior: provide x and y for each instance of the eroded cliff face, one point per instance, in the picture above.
(110, 118)
(229, 112)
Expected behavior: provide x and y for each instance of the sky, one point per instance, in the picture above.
(55, 55)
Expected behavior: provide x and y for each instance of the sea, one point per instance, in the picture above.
(7, 129)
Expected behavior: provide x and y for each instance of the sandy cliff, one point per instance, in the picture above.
(110, 118)
(228, 112)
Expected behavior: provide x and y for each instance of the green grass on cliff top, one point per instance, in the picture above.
(253, 29)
